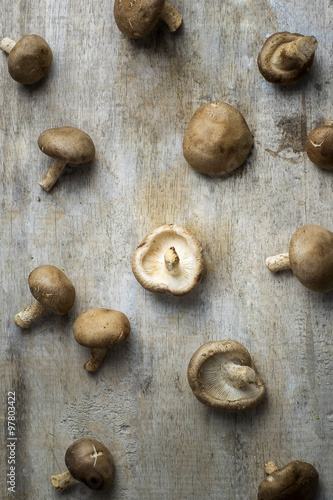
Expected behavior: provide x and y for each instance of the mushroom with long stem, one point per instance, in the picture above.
(29, 59)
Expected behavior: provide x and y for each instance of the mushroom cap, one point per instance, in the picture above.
(101, 328)
(217, 372)
(91, 463)
(319, 146)
(148, 261)
(296, 481)
(52, 288)
(217, 139)
(311, 257)
(30, 59)
(137, 18)
(67, 143)
(273, 64)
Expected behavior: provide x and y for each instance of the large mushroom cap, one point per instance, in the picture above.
(286, 57)
(52, 288)
(319, 146)
(311, 257)
(30, 59)
(217, 140)
(296, 481)
(67, 143)
(222, 374)
(137, 18)
(90, 462)
(101, 328)
(169, 260)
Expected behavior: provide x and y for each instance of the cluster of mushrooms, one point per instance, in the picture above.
(170, 260)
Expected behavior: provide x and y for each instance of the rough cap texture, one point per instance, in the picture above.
(319, 146)
(67, 143)
(52, 288)
(136, 18)
(30, 59)
(217, 140)
(311, 257)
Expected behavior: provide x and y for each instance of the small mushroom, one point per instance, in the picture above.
(65, 145)
(285, 57)
(296, 481)
(100, 329)
(217, 139)
(137, 18)
(310, 258)
(319, 145)
(29, 59)
(169, 260)
(89, 462)
(52, 290)
(222, 375)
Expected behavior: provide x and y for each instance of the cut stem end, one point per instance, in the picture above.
(26, 317)
(7, 44)
(53, 174)
(278, 262)
(63, 481)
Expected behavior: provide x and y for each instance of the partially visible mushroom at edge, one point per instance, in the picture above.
(222, 374)
(319, 145)
(169, 260)
(89, 462)
(296, 481)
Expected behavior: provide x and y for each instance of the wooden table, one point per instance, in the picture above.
(135, 99)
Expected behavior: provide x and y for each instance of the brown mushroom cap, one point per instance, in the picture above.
(101, 328)
(52, 289)
(90, 462)
(67, 143)
(30, 59)
(222, 375)
(311, 257)
(137, 18)
(169, 260)
(319, 146)
(217, 139)
(286, 57)
(296, 481)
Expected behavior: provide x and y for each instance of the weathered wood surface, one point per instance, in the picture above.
(135, 99)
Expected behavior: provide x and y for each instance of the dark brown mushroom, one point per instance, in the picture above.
(319, 145)
(89, 462)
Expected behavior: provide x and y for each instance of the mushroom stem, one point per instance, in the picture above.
(53, 174)
(6, 44)
(96, 358)
(171, 260)
(270, 467)
(27, 316)
(295, 54)
(240, 376)
(63, 481)
(278, 262)
(171, 17)
(328, 123)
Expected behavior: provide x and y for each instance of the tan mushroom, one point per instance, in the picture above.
(310, 258)
(222, 375)
(296, 481)
(217, 139)
(169, 260)
(137, 18)
(29, 59)
(319, 145)
(65, 145)
(99, 329)
(89, 462)
(52, 290)
(286, 58)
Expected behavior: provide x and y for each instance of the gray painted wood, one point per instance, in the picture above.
(135, 99)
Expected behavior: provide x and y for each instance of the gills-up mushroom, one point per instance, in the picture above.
(89, 462)
(319, 145)
(137, 18)
(99, 329)
(285, 57)
(222, 375)
(65, 145)
(29, 59)
(217, 139)
(310, 258)
(169, 260)
(52, 290)
(296, 481)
